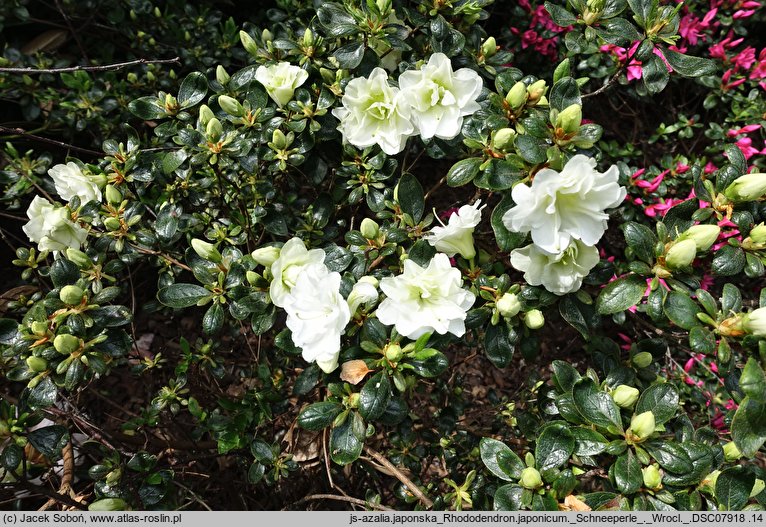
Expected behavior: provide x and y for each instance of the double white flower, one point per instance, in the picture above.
(431, 102)
(51, 227)
(423, 300)
(281, 80)
(70, 182)
(565, 214)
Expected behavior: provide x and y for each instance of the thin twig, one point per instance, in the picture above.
(20, 132)
(414, 489)
(72, 30)
(106, 67)
(348, 499)
(164, 256)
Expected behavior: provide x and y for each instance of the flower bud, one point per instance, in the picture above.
(642, 359)
(231, 106)
(71, 295)
(37, 364)
(642, 425)
(681, 254)
(214, 129)
(703, 235)
(755, 322)
(652, 477)
(353, 400)
(78, 257)
(108, 504)
(267, 36)
(536, 90)
(534, 319)
(731, 452)
(221, 76)
(749, 187)
(518, 95)
(205, 114)
(39, 328)
(112, 223)
(393, 352)
(530, 478)
(266, 255)
(758, 233)
(364, 292)
(66, 344)
(248, 43)
(489, 47)
(206, 250)
(278, 140)
(503, 139)
(508, 305)
(113, 195)
(625, 396)
(369, 228)
(569, 119)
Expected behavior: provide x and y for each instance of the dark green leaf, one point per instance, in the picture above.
(193, 89)
(554, 447)
(564, 375)
(655, 75)
(49, 440)
(428, 362)
(732, 488)
(64, 272)
(588, 442)
(728, 261)
(689, 66)
(212, 322)
(702, 340)
(182, 295)
(172, 160)
(564, 93)
(508, 498)
(571, 310)
(641, 239)
(752, 382)
(308, 378)
(410, 196)
(43, 395)
(559, 15)
(500, 460)
(661, 399)
(345, 444)
(531, 149)
(350, 55)
(262, 322)
(681, 309)
(498, 346)
(748, 428)
(374, 396)
(627, 473)
(463, 171)
(506, 240)
(9, 330)
(147, 108)
(670, 456)
(642, 9)
(621, 294)
(319, 415)
(595, 406)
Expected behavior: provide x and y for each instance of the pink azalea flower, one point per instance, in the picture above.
(744, 59)
(744, 130)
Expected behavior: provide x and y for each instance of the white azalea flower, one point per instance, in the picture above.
(281, 80)
(423, 300)
(365, 291)
(457, 235)
(559, 207)
(559, 273)
(439, 97)
(70, 181)
(317, 315)
(51, 227)
(373, 114)
(285, 270)
(755, 322)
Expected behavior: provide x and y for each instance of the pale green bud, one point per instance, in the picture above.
(266, 255)
(37, 364)
(625, 396)
(704, 236)
(530, 478)
(569, 119)
(369, 228)
(642, 425)
(98, 179)
(214, 129)
(71, 295)
(508, 305)
(534, 319)
(681, 254)
(108, 504)
(113, 195)
(518, 95)
(536, 90)
(758, 233)
(66, 344)
(749, 187)
(642, 359)
(78, 257)
(205, 114)
(231, 106)
(39, 328)
(267, 36)
(652, 477)
(112, 223)
(278, 140)
(221, 76)
(308, 38)
(206, 250)
(489, 47)
(731, 452)
(248, 43)
(503, 139)
(393, 352)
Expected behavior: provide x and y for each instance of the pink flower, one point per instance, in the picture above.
(744, 59)
(710, 167)
(726, 85)
(744, 130)
(759, 71)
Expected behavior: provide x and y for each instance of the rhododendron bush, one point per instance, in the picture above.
(417, 255)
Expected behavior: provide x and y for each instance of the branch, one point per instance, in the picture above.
(106, 67)
(23, 133)
(66, 478)
(348, 499)
(414, 489)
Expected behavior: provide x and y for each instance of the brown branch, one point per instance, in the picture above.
(20, 132)
(106, 67)
(348, 499)
(414, 489)
(67, 453)
(164, 256)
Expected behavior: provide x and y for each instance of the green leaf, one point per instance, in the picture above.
(374, 396)
(728, 261)
(670, 456)
(508, 498)
(193, 89)
(49, 440)
(463, 171)
(262, 322)
(500, 460)
(571, 310)
(337, 258)
(319, 415)
(410, 196)
(588, 442)
(752, 382)
(64, 272)
(564, 375)
(654, 75)
(621, 294)
(182, 295)
(642, 9)
(661, 399)
(43, 395)
(212, 322)
(9, 330)
(627, 473)
(689, 66)
(531, 149)
(681, 309)
(350, 55)
(559, 15)
(345, 444)
(564, 93)
(308, 378)
(428, 362)
(336, 21)
(506, 240)
(732, 488)
(595, 406)
(731, 299)
(702, 340)
(641, 239)
(554, 447)
(147, 108)
(748, 427)
(498, 346)
(618, 31)
(172, 160)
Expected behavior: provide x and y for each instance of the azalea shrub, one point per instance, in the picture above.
(442, 255)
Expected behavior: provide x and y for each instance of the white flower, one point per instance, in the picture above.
(755, 322)
(51, 227)
(317, 315)
(439, 97)
(281, 80)
(423, 300)
(70, 181)
(561, 206)
(285, 270)
(559, 273)
(365, 291)
(373, 113)
(457, 235)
